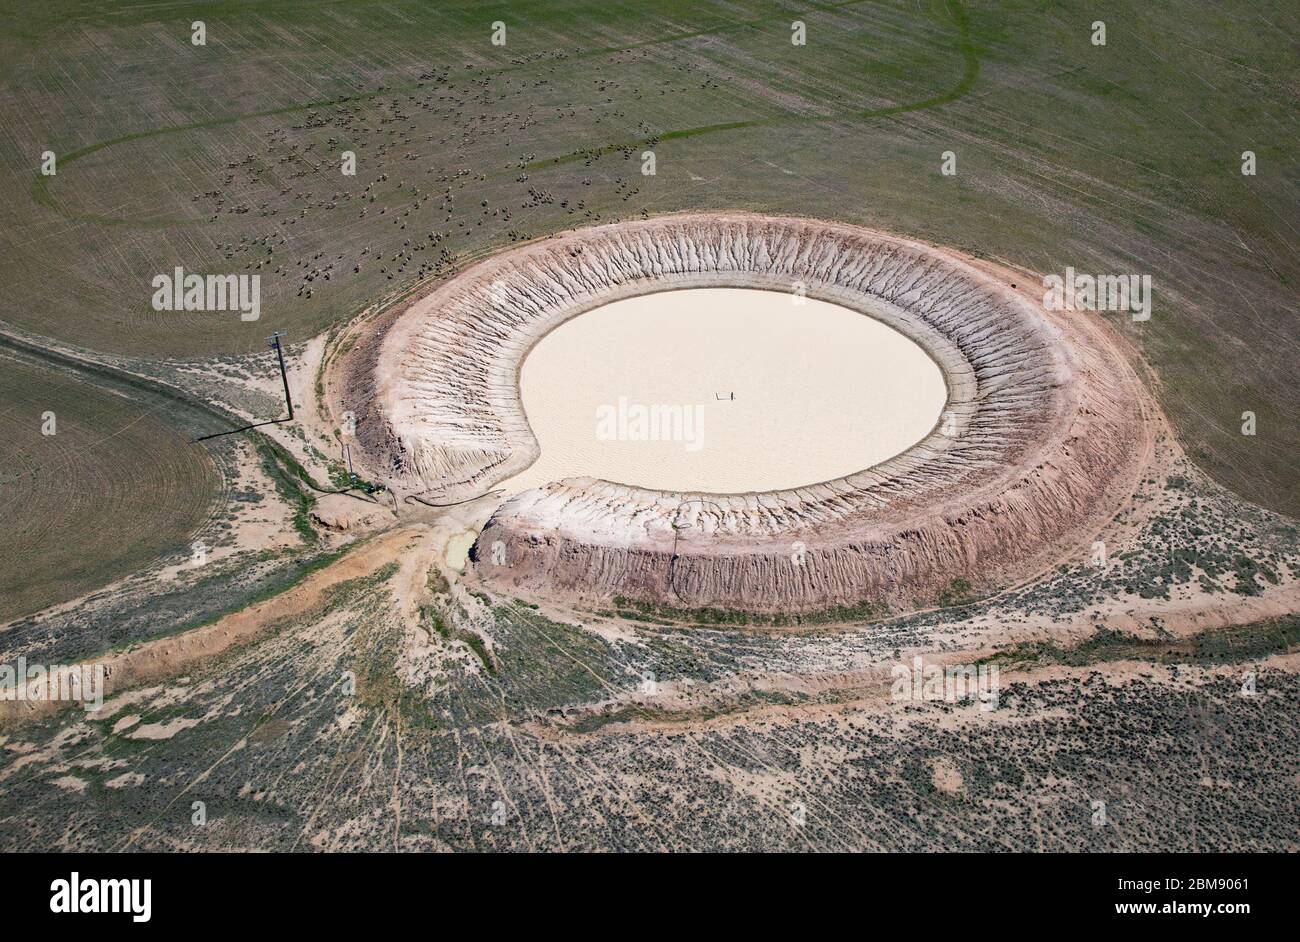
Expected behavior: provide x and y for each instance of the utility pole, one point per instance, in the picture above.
(347, 456)
(274, 341)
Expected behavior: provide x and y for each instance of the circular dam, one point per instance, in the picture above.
(1027, 436)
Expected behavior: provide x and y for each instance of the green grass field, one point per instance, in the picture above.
(225, 158)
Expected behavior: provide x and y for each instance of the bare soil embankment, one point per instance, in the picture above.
(165, 657)
(1046, 429)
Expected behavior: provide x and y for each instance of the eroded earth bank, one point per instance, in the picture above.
(1044, 435)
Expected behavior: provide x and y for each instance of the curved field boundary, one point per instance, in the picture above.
(173, 406)
(43, 196)
(970, 72)
(113, 488)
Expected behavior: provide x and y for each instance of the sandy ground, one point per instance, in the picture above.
(677, 711)
(166, 657)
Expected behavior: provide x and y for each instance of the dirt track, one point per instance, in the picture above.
(166, 657)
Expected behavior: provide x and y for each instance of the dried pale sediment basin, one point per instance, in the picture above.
(1044, 434)
(766, 391)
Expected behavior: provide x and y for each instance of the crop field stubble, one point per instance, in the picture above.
(225, 158)
(96, 484)
(1117, 158)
